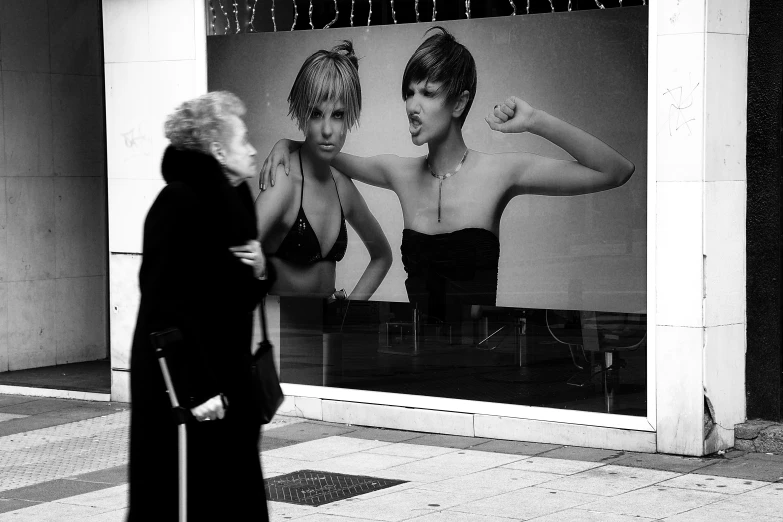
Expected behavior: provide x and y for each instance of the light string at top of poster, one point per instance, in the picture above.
(416, 9)
(369, 16)
(274, 20)
(513, 7)
(214, 15)
(434, 9)
(250, 27)
(467, 9)
(296, 15)
(236, 15)
(225, 14)
(599, 4)
(310, 12)
(353, 2)
(336, 14)
(394, 14)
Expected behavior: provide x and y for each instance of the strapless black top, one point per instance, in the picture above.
(456, 268)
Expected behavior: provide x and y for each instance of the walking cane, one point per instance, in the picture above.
(159, 342)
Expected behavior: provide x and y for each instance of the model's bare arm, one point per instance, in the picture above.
(270, 210)
(374, 170)
(370, 232)
(597, 167)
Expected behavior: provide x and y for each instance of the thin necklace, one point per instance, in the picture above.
(441, 177)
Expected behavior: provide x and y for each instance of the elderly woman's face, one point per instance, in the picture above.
(239, 156)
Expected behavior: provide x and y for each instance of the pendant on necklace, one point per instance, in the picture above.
(441, 177)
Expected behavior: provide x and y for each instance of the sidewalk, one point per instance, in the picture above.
(66, 460)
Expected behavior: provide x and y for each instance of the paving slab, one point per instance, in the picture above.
(585, 515)
(497, 480)
(526, 503)
(10, 416)
(403, 449)
(725, 485)
(383, 435)
(36, 406)
(113, 475)
(514, 447)
(449, 515)
(8, 400)
(610, 480)
(325, 448)
(363, 463)
(30, 423)
(448, 441)
(583, 454)
(458, 463)
(745, 467)
(52, 490)
(655, 502)
(12, 504)
(398, 506)
(766, 501)
(557, 466)
(269, 443)
(307, 431)
(712, 513)
(663, 462)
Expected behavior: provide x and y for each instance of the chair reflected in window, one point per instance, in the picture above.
(595, 341)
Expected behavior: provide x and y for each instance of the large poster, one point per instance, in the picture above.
(580, 252)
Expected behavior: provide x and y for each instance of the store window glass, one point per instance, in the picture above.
(464, 214)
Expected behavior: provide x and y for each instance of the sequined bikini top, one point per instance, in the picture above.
(301, 245)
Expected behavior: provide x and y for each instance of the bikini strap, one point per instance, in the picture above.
(340, 201)
(301, 171)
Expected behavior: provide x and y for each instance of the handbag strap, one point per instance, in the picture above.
(262, 317)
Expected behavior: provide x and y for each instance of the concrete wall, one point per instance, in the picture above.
(53, 277)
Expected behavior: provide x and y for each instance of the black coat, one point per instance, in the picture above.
(190, 280)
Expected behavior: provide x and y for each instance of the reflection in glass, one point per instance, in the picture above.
(581, 360)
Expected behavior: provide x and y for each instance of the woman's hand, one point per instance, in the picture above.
(279, 155)
(511, 116)
(251, 254)
(213, 409)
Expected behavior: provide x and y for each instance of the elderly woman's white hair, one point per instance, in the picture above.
(197, 123)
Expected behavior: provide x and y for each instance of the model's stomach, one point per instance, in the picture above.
(315, 280)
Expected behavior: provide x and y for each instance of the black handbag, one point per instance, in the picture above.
(266, 390)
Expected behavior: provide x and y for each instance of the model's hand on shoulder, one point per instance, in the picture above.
(278, 156)
(513, 115)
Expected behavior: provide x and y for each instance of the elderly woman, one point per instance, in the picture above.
(199, 274)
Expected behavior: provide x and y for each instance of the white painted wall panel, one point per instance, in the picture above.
(124, 300)
(724, 382)
(680, 108)
(726, 102)
(679, 361)
(678, 254)
(724, 250)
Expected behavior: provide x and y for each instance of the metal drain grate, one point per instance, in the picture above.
(314, 488)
